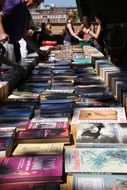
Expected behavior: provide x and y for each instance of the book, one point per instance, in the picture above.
(43, 124)
(16, 114)
(99, 182)
(62, 89)
(121, 87)
(24, 96)
(114, 82)
(49, 120)
(43, 135)
(81, 61)
(30, 186)
(54, 108)
(91, 135)
(99, 114)
(6, 146)
(96, 160)
(38, 149)
(101, 94)
(31, 168)
(81, 89)
(57, 101)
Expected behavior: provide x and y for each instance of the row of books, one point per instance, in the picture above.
(34, 163)
(115, 79)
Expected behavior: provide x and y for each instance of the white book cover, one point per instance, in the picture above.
(96, 160)
(99, 115)
(101, 135)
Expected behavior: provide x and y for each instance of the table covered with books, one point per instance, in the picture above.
(65, 126)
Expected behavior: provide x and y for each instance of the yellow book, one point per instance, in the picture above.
(38, 149)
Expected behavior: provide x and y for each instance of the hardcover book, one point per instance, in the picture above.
(99, 115)
(30, 186)
(6, 146)
(82, 89)
(96, 160)
(38, 149)
(47, 108)
(99, 182)
(43, 135)
(99, 135)
(42, 125)
(31, 168)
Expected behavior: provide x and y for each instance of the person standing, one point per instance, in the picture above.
(16, 20)
(69, 33)
(99, 34)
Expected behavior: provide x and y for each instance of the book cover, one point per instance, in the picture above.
(31, 168)
(100, 94)
(98, 102)
(57, 101)
(38, 149)
(42, 125)
(43, 135)
(105, 135)
(62, 89)
(56, 107)
(99, 182)
(18, 96)
(49, 120)
(99, 115)
(83, 89)
(96, 160)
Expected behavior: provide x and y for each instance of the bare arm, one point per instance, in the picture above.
(96, 35)
(32, 44)
(72, 32)
(80, 29)
(8, 62)
(3, 35)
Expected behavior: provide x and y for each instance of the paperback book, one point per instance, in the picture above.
(99, 182)
(99, 115)
(38, 149)
(99, 135)
(96, 160)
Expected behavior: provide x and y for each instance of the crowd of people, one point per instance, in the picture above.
(86, 32)
(15, 24)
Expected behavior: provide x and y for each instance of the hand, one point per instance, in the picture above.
(80, 39)
(22, 71)
(3, 37)
(42, 54)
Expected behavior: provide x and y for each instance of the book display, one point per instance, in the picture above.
(62, 128)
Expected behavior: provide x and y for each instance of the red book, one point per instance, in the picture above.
(42, 125)
(43, 135)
